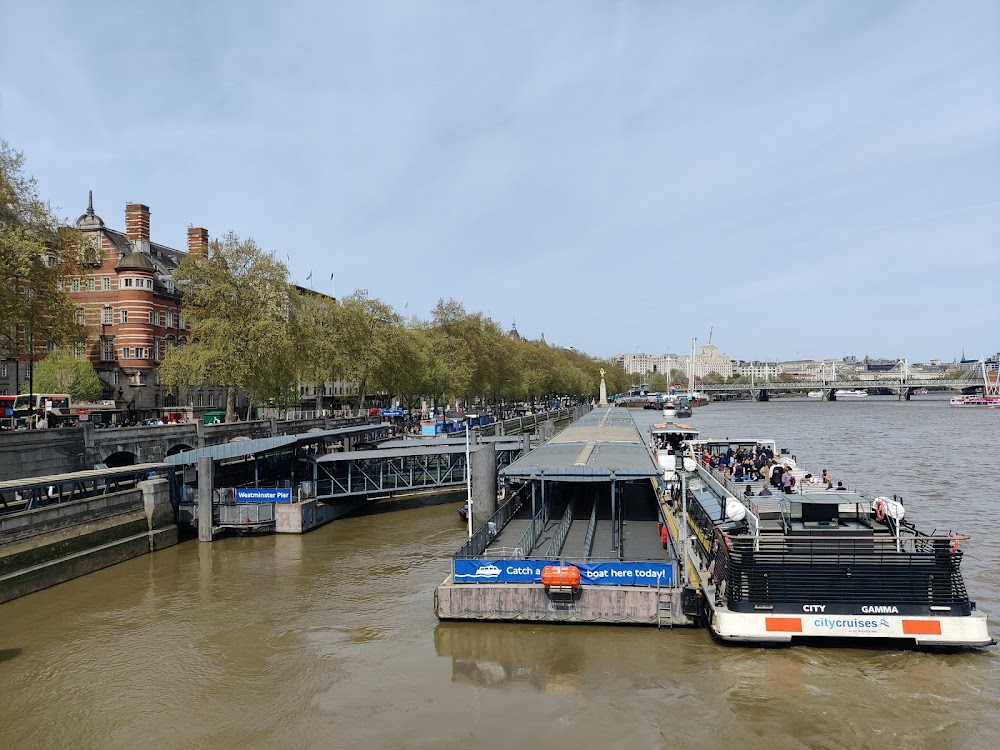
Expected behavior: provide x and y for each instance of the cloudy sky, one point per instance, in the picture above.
(812, 179)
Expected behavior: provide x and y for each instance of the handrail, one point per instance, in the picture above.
(556, 543)
(531, 534)
(482, 537)
(588, 539)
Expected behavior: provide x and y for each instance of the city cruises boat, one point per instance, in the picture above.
(988, 402)
(815, 394)
(855, 393)
(821, 565)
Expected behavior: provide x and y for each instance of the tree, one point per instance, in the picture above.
(36, 253)
(61, 372)
(239, 303)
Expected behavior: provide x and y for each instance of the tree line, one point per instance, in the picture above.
(254, 331)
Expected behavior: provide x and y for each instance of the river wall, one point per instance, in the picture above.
(43, 547)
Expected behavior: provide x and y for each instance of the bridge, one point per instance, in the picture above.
(59, 451)
(903, 388)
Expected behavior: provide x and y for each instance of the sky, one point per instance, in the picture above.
(802, 180)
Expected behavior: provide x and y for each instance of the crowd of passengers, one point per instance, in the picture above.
(759, 464)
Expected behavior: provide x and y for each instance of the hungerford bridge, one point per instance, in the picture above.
(899, 380)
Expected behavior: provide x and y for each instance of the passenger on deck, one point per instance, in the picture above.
(787, 481)
(840, 486)
(748, 491)
(776, 473)
(764, 492)
(827, 480)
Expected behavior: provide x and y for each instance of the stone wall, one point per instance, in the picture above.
(43, 547)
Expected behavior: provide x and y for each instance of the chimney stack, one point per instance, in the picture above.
(137, 226)
(197, 241)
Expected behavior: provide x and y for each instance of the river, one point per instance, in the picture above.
(328, 640)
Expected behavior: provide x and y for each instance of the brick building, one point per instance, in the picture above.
(127, 299)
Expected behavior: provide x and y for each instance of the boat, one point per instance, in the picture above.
(820, 566)
(683, 408)
(463, 511)
(989, 402)
(988, 399)
(815, 394)
(857, 393)
(669, 409)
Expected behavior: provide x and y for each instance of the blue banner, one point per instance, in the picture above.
(263, 495)
(530, 571)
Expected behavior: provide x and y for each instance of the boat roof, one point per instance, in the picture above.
(673, 428)
(604, 445)
(827, 497)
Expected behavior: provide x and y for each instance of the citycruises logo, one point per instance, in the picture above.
(851, 624)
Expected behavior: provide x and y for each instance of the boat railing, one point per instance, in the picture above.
(559, 538)
(588, 539)
(846, 567)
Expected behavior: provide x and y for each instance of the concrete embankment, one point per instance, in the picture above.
(43, 547)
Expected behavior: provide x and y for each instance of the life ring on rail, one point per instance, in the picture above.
(880, 510)
(955, 542)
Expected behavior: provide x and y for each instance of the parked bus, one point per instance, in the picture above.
(54, 404)
(7, 411)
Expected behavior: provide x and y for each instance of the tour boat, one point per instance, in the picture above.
(815, 394)
(989, 402)
(855, 393)
(669, 409)
(819, 565)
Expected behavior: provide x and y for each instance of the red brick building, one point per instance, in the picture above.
(128, 302)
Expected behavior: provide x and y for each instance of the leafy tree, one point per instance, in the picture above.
(240, 306)
(61, 372)
(36, 252)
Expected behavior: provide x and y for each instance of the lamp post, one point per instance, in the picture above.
(468, 472)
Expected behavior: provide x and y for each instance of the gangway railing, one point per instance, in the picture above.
(588, 540)
(478, 542)
(557, 541)
(530, 537)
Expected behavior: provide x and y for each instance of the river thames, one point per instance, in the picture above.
(328, 640)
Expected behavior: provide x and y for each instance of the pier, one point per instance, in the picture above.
(587, 500)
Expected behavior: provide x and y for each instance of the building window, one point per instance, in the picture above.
(81, 316)
(126, 282)
(124, 316)
(180, 320)
(170, 285)
(107, 315)
(3, 392)
(105, 283)
(170, 318)
(152, 317)
(126, 353)
(91, 284)
(61, 285)
(80, 351)
(115, 377)
(74, 284)
(108, 350)
(3, 371)
(159, 318)
(149, 283)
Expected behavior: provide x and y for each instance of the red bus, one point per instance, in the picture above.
(7, 411)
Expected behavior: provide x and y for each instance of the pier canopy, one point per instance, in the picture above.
(248, 448)
(603, 446)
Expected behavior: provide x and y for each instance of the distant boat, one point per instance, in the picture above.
(855, 393)
(987, 402)
(815, 394)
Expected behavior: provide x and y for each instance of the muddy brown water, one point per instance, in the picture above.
(329, 640)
